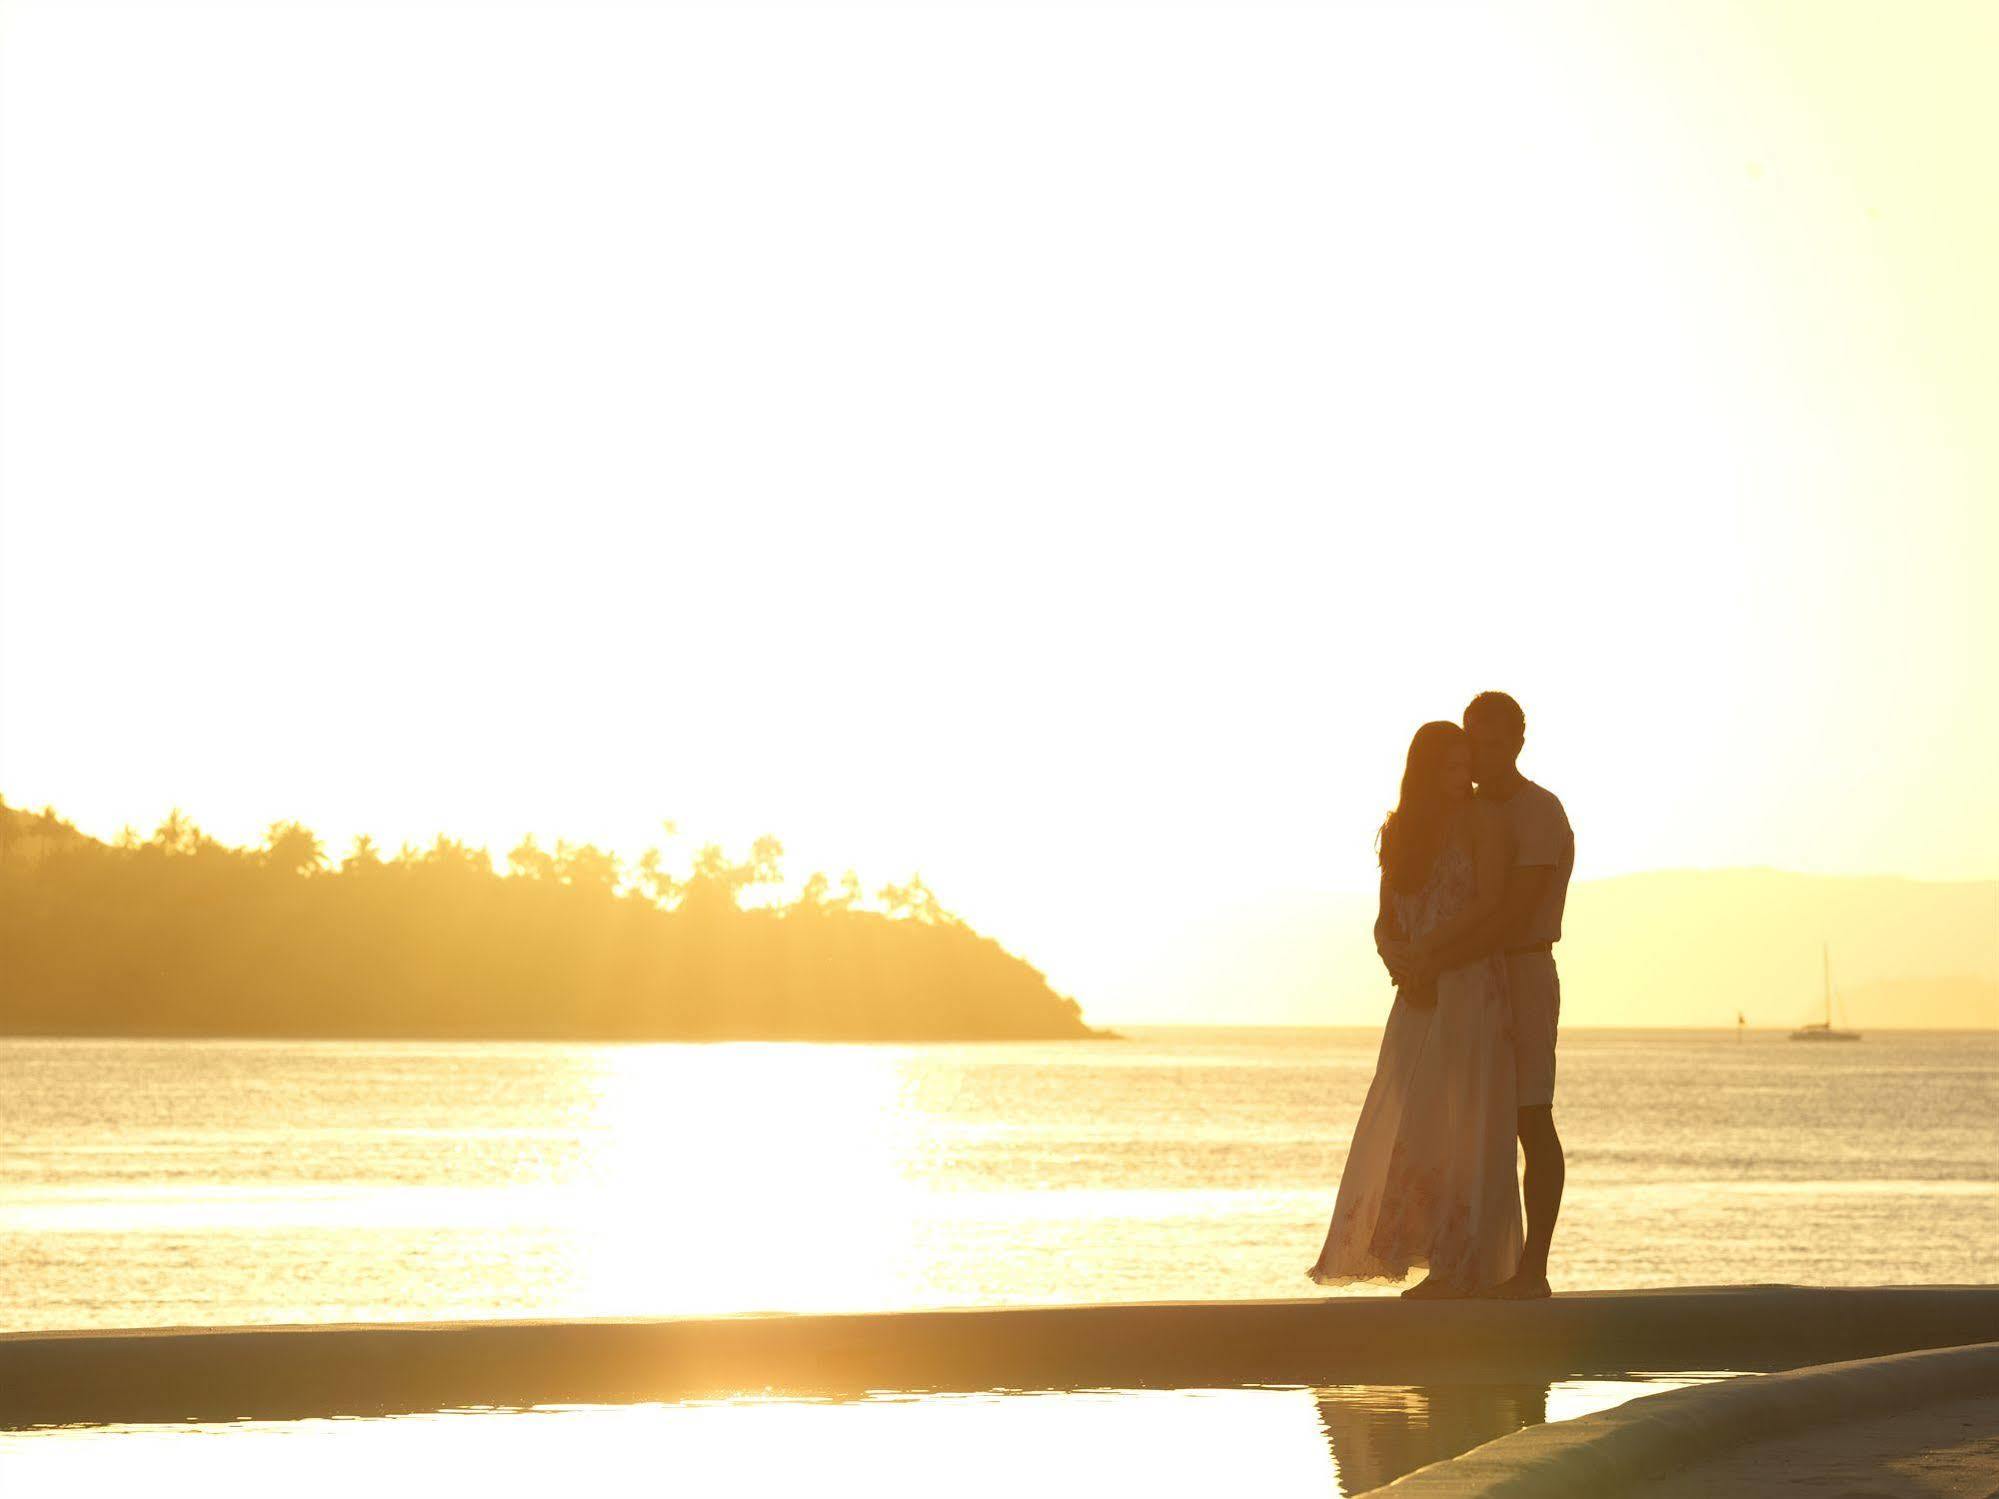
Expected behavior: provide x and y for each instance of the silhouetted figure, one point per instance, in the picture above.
(1429, 1174)
(1525, 927)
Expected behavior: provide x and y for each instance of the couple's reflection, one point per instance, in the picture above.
(1377, 1435)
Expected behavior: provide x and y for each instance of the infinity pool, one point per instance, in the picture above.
(1275, 1440)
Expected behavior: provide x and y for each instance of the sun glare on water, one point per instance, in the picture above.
(811, 1147)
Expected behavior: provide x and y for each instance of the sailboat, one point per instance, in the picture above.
(1821, 1030)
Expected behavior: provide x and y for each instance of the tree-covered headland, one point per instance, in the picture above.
(181, 935)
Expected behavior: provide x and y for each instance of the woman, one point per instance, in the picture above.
(1429, 1178)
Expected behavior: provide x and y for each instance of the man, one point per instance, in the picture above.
(1526, 927)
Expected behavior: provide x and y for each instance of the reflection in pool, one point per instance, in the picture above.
(1270, 1440)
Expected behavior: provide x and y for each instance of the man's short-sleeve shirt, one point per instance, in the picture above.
(1541, 836)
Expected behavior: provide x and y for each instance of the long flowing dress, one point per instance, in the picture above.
(1429, 1178)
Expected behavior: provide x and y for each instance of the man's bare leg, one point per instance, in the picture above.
(1541, 1181)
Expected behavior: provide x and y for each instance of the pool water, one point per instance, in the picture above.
(1276, 1441)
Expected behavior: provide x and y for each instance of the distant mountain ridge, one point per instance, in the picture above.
(1955, 1004)
(1664, 948)
(1693, 947)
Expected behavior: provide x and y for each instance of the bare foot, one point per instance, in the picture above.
(1521, 1286)
(1430, 1288)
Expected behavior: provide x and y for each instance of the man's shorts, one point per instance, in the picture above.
(1536, 995)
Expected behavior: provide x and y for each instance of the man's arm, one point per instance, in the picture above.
(1526, 887)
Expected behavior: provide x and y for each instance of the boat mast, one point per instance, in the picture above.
(1825, 951)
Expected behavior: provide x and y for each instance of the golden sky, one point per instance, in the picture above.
(1061, 448)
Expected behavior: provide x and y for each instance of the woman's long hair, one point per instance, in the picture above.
(1414, 831)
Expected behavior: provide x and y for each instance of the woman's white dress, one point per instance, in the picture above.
(1429, 1178)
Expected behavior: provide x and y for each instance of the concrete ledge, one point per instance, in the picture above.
(172, 1374)
(1657, 1435)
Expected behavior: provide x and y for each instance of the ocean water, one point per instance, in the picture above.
(163, 1183)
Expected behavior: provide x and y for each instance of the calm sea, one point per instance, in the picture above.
(161, 1183)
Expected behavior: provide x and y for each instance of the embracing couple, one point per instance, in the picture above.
(1472, 886)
